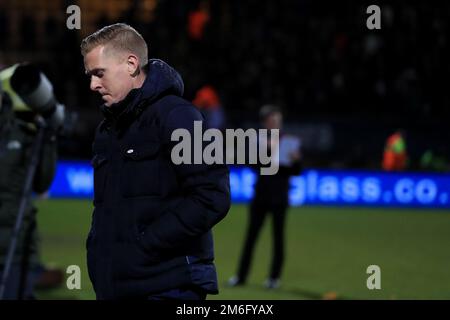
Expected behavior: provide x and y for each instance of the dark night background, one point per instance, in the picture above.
(344, 88)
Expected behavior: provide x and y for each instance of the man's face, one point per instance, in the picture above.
(109, 74)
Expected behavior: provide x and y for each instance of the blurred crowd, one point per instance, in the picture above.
(317, 60)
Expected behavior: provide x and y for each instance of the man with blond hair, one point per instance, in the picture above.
(150, 236)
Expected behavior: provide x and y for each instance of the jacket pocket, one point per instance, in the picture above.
(152, 255)
(141, 171)
(99, 164)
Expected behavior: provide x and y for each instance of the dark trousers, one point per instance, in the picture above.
(258, 212)
(187, 293)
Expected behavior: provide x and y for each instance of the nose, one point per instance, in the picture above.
(95, 84)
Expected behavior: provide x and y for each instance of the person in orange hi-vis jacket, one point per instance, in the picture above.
(395, 157)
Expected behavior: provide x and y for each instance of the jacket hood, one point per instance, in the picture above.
(161, 80)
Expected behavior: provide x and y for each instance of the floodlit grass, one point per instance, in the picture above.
(328, 251)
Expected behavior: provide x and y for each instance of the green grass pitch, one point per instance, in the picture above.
(328, 251)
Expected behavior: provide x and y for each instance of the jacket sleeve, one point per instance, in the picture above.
(45, 170)
(295, 168)
(204, 189)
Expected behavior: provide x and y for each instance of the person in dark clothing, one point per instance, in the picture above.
(18, 136)
(150, 236)
(270, 196)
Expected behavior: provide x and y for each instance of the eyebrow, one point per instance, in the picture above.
(93, 71)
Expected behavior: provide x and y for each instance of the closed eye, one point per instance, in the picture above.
(96, 73)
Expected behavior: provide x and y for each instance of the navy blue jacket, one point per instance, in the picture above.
(152, 220)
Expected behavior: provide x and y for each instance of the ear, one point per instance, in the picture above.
(133, 65)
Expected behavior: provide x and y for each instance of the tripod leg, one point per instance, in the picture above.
(25, 263)
(22, 207)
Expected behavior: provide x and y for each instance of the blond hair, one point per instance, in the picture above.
(119, 37)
